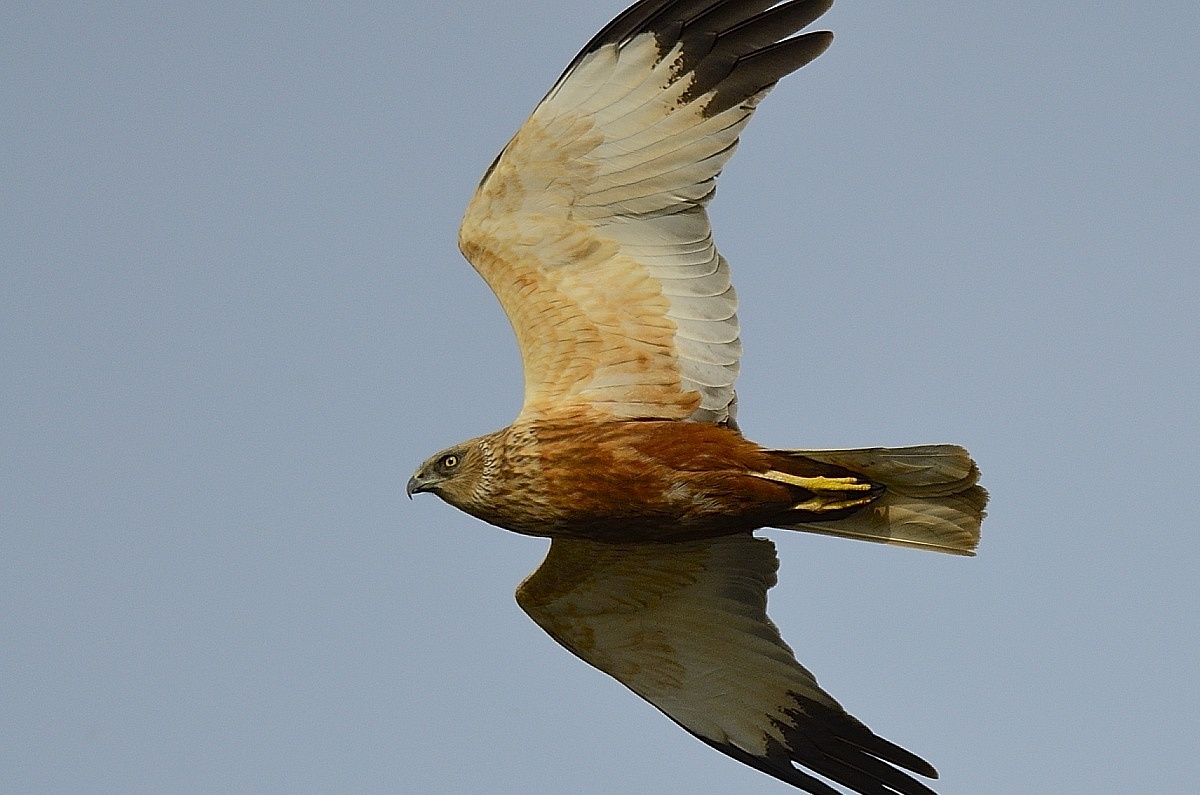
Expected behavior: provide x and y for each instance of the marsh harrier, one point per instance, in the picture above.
(590, 227)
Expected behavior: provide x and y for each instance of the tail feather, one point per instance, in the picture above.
(931, 499)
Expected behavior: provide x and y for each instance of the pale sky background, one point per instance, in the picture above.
(233, 320)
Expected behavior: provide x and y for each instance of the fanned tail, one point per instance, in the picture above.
(930, 499)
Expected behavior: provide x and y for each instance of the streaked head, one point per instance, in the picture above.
(460, 475)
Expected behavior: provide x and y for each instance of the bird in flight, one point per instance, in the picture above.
(591, 229)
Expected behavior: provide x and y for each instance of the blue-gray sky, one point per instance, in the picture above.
(233, 320)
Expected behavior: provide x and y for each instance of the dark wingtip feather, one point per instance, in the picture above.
(763, 69)
(838, 747)
(736, 48)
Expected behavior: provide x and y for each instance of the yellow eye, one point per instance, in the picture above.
(449, 461)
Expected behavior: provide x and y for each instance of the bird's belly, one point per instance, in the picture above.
(621, 506)
(630, 481)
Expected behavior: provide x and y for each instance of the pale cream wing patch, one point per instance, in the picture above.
(684, 625)
(590, 228)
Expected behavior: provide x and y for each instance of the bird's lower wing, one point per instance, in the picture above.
(684, 625)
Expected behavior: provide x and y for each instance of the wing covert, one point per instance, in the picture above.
(591, 227)
(684, 625)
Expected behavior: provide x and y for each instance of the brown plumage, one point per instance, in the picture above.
(590, 228)
(654, 480)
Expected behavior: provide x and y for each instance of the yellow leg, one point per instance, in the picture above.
(817, 484)
(825, 491)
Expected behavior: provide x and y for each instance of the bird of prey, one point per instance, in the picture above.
(591, 229)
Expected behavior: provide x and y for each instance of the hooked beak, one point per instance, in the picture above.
(415, 484)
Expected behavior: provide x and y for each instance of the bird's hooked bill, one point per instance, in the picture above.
(414, 485)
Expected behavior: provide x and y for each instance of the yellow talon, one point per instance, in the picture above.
(815, 484)
(816, 504)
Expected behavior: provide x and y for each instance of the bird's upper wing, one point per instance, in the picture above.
(684, 625)
(590, 225)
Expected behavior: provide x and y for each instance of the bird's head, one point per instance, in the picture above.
(460, 475)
